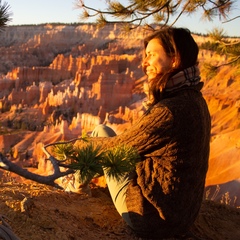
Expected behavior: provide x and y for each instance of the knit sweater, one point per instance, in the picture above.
(173, 140)
(165, 197)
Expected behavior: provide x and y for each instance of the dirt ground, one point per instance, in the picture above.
(38, 212)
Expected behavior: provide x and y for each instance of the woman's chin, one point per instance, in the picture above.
(151, 77)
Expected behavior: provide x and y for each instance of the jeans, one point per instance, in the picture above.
(116, 188)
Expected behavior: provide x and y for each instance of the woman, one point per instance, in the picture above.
(162, 197)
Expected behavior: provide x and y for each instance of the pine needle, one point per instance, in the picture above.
(120, 160)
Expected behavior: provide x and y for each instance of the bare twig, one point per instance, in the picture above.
(179, 15)
(48, 180)
(232, 19)
(230, 62)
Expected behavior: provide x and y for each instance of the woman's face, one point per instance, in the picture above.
(156, 61)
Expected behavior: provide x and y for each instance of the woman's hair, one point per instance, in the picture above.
(177, 43)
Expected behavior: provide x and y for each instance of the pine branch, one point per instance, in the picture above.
(232, 19)
(63, 151)
(234, 60)
(87, 160)
(217, 8)
(5, 15)
(90, 160)
(182, 11)
(140, 11)
(224, 46)
(48, 180)
(119, 160)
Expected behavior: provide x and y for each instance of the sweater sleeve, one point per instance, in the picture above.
(150, 133)
(144, 135)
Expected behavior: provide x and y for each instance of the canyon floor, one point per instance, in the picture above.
(39, 212)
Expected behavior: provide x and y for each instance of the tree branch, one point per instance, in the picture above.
(48, 180)
(232, 19)
(230, 62)
(182, 11)
(139, 15)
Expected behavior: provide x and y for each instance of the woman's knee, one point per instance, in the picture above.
(103, 131)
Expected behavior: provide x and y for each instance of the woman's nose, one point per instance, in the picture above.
(145, 62)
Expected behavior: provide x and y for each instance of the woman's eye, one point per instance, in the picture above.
(150, 55)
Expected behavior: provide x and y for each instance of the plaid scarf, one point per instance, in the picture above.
(188, 77)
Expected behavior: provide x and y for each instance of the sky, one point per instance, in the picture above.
(64, 11)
